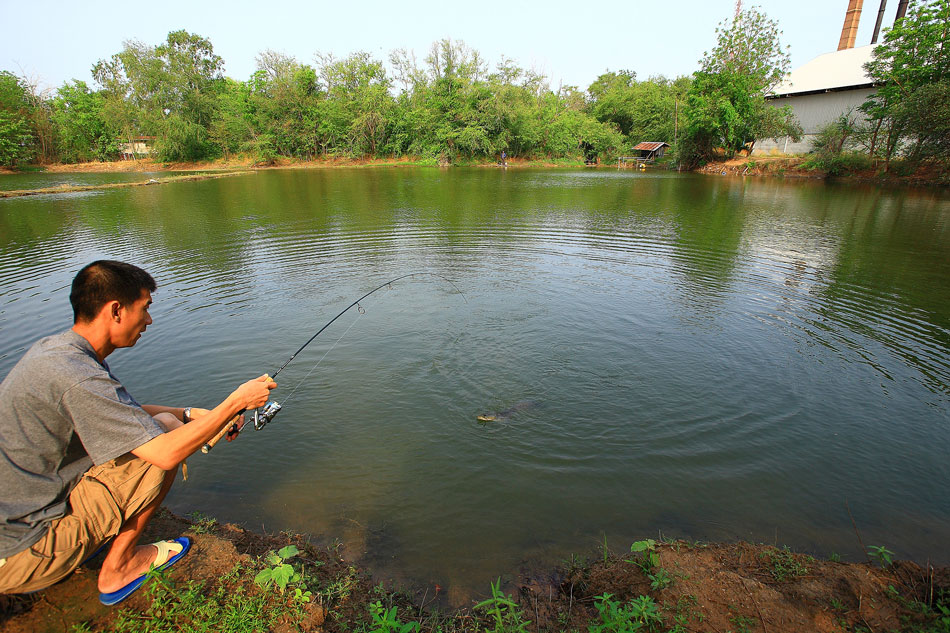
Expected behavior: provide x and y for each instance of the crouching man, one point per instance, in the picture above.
(81, 462)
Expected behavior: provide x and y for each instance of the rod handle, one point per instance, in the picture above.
(230, 427)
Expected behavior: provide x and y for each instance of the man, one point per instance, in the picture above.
(81, 462)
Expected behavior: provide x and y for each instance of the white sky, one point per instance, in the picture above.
(571, 42)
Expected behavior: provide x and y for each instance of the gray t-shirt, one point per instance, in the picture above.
(61, 411)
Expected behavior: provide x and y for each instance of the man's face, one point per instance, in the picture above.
(133, 320)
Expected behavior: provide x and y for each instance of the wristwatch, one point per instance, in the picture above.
(186, 415)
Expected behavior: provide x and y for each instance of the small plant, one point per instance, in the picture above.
(386, 621)
(648, 558)
(503, 611)
(202, 524)
(649, 562)
(685, 610)
(742, 623)
(835, 557)
(785, 565)
(341, 587)
(281, 573)
(615, 617)
(837, 605)
(660, 579)
(884, 556)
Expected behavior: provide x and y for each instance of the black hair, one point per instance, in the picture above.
(103, 281)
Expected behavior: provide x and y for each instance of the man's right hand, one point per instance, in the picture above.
(254, 393)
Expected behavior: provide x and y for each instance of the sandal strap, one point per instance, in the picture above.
(166, 550)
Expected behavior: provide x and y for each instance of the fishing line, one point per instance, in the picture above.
(335, 343)
(266, 413)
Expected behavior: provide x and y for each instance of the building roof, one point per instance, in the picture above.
(650, 145)
(841, 70)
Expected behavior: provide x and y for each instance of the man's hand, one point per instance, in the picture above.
(254, 393)
(169, 449)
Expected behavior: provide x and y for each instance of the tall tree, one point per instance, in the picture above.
(17, 141)
(726, 102)
(82, 133)
(170, 91)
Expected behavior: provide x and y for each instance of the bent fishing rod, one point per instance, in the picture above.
(266, 413)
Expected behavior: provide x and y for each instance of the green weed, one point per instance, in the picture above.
(201, 607)
(648, 561)
(281, 573)
(785, 565)
(503, 611)
(884, 556)
(742, 623)
(683, 612)
(341, 588)
(386, 621)
(638, 614)
(201, 523)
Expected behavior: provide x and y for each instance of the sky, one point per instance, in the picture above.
(572, 43)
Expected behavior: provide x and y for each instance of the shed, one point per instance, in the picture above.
(650, 150)
(819, 92)
(136, 146)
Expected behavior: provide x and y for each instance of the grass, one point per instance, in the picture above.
(196, 606)
(784, 565)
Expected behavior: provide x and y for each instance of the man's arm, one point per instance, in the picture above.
(169, 449)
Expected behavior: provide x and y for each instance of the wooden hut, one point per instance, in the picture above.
(650, 150)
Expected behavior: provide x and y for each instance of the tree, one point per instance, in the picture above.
(168, 91)
(16, 134)
(726, 102)
(914, 57)
(82, 133)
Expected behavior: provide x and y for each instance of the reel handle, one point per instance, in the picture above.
(231, 426)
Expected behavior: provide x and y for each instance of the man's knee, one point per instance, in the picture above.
(168, 421)
(126, 485)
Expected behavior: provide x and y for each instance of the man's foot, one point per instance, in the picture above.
(160, 555)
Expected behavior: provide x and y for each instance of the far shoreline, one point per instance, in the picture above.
(791, 166)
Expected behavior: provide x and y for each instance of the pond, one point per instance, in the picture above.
(700, 357)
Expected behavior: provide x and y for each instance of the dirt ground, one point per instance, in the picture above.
(711, 588)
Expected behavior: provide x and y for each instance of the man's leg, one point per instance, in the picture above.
(106, 499)
(126, 560)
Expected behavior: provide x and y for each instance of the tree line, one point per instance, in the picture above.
(450, 106)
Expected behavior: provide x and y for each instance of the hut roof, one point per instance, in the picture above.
(650, 145)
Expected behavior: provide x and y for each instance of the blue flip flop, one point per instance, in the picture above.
(164, 549)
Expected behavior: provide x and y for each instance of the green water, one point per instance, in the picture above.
(705, 357)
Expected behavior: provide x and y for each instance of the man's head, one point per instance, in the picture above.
(105, 281)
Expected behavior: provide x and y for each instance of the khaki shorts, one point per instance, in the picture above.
(103, 500)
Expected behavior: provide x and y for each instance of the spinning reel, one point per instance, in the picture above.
(265, 414)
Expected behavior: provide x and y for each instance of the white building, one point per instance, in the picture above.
(819, 92)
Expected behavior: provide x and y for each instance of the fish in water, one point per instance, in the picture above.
(500, 416)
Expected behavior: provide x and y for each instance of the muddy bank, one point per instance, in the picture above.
(925, 175)
(16, 193)
(237, 163)
(691, 586)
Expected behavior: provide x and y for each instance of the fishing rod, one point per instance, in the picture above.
(266, 413)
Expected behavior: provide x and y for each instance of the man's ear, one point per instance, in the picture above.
(114, 308)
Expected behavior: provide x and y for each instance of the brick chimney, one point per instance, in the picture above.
(849, 32)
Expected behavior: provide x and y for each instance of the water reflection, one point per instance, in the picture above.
(712, 357)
